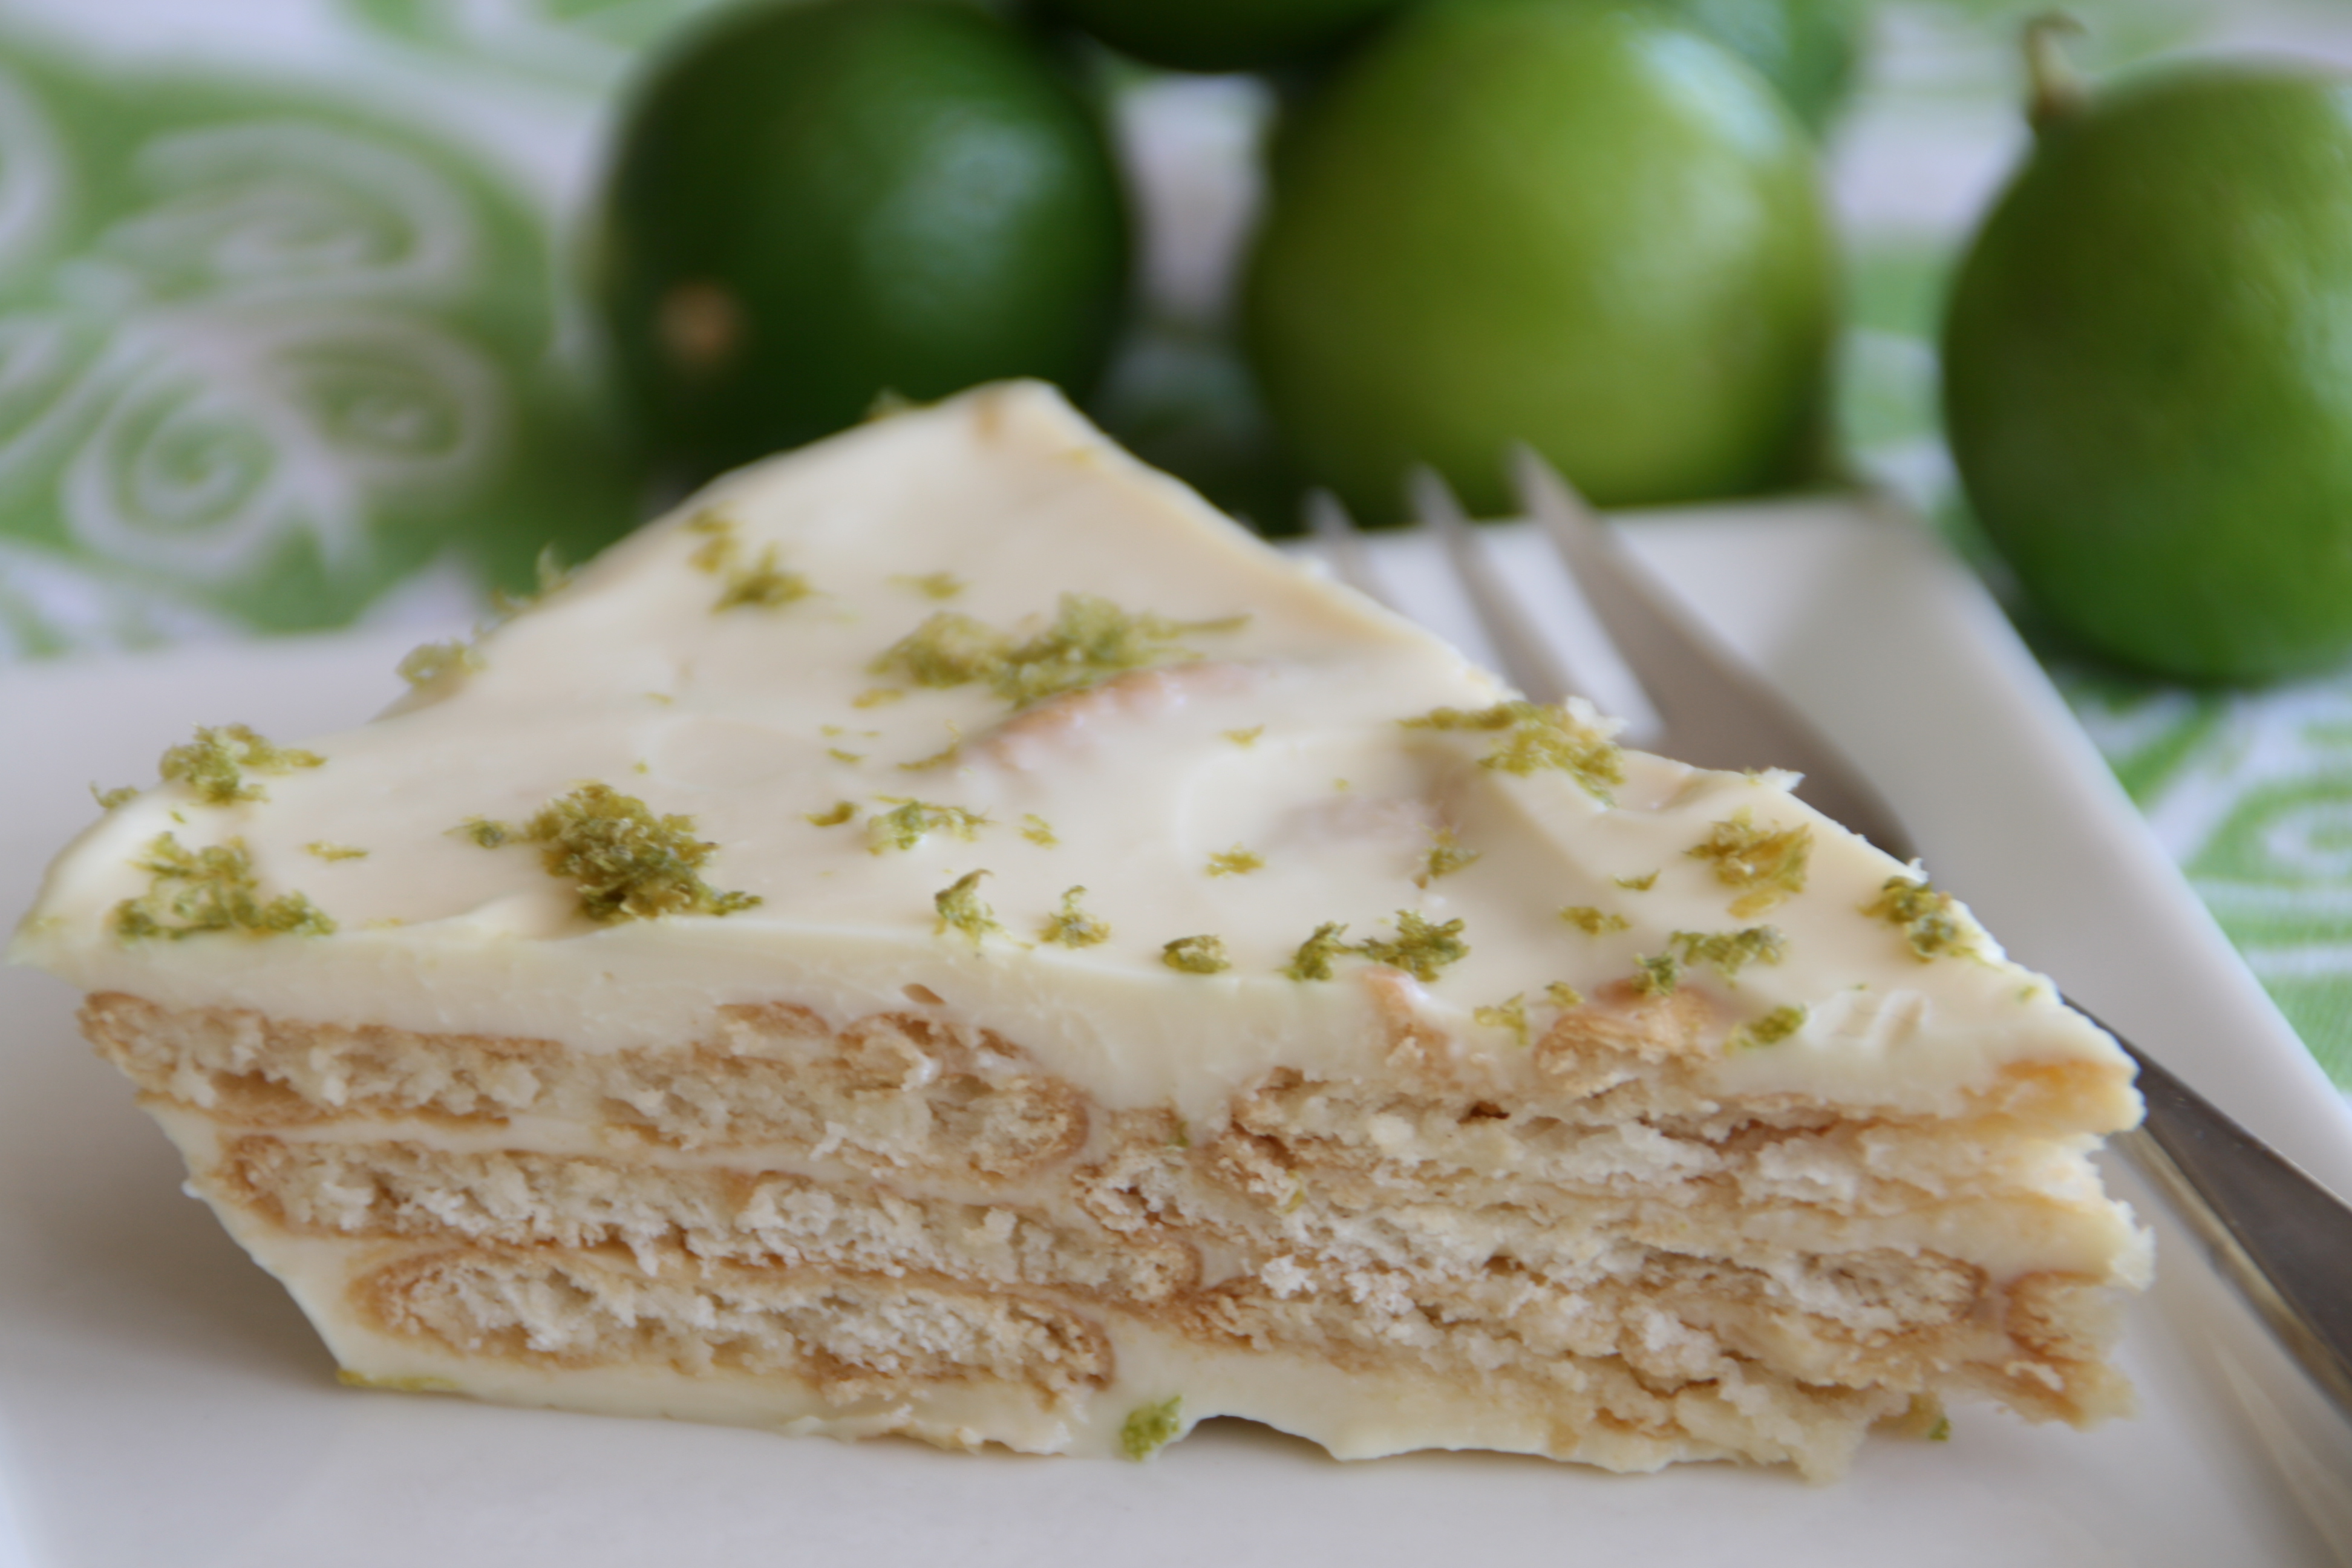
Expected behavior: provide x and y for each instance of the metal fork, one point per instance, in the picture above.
(2279, 1237)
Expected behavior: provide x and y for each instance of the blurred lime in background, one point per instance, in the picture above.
(2147, 370)
(1590, 229)
(1808, 50)
(814, 205)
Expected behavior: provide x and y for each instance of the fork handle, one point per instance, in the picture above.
(2281, 1238)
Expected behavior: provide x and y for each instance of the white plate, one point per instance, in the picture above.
(162, 1403)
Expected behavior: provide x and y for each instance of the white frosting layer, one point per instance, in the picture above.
(1280, 736)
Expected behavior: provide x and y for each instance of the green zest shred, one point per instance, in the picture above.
(1923, 1419)
(1656, 976)
(840, 812)
(350, 1379)
(1073, 927)
(959, 908)
(1313, 959)
(1766, 864)
(932, 585)
(628, 863)
(1037, 830)
(108, 799)
(763, 586)
(210, 890)
(1593, 921)
(1563, 995)
(428, 662)
(1768, 1030)
(1090, 640)
(215, 763)
(939, 759)
(326, 851)
(1235, 862)
(1445, 858)
(1729, 952)
(1196, 955)
(1151, 1427)
(1420, 949)
(909, 822)
(1532, 737)
(1932, 923)
(1511, 1015)
(1640, 884)
(947, 649)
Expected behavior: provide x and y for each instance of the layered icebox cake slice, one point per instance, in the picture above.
(946, 934)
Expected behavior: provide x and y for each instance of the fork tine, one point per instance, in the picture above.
(1527, 657)
(1343, 547)
(1716, 712)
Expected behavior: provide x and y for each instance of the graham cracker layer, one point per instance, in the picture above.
(894, 1208)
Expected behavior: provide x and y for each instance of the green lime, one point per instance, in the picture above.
(816, 203)
(1804, 47)
(2148, 370)
(1222, 35)
(1527, 220)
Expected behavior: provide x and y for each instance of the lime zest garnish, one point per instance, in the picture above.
(959, 908)
(627, 863)
(209, 890)
(1532, 737)
(1933, 923)
(1767, 864)
(215, 763)
(1196, 955)
(1151, 1427)
(1073, 927)
(1313, 959)
(1420, 948)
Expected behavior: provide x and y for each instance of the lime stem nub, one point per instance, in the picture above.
(2055, 89)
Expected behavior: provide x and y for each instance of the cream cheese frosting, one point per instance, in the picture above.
(1255, 779)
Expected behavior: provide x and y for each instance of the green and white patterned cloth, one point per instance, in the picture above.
(283, 331)
(290, 337)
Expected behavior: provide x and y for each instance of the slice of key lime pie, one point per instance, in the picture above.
(946, 935)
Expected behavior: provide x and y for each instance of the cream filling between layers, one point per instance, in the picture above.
(2037, 1209)
(1399, 1407)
